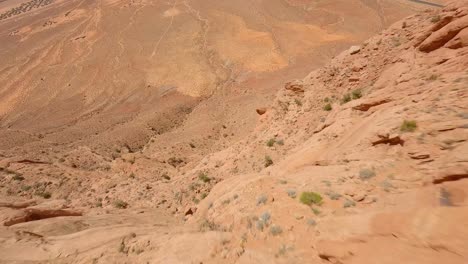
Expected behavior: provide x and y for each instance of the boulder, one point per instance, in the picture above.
(261, 111)
(440, 37)
(459, 41)
(294, 87)
(354, 49)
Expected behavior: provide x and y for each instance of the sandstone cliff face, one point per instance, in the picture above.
(363, 161)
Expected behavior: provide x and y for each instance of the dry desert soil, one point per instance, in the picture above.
(222, 131)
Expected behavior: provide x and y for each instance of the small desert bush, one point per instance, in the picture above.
(310, 198)
(349, 203)
(207, 225)
(291, 193)
(120, 204)
(268, 161)
(366, 174)
(327, 107)
(356, 94)
(18, 177)
(408, 126)
(271, 142)
(346, 98)
(276, 230)
(45, 195)
(262, 199)
(316, 211)
(203, 177)
(435, 19)
(333, 195)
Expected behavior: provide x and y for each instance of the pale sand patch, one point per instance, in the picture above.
(171, 12)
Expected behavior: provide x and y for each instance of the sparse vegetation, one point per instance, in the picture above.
(333, 195)
(268, 161)
(327, 183)
(435, 19)
(346, 98)
(207, 225)
(356, 94)
(260, 225)
(366, 174)
(316, 211)
(311, 222)
(271, 142)
(310, 198)
(262, 199)
(326, 100)
(265, 217)
(408, 126)
(276, 230)
(166, 177)
(387, 185)
(25, 188)
(433, 77)
(203, 177)
(263, 221)
(120, 204)
(298, 102)
(395, 41)
(18, 177)
(327, 107)
(291, 193)
(280, 142)
(349, 203)
(44, 194)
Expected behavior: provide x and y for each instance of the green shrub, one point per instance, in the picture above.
(310, 198)
(166, 177)
(298, 102)
(346, 98)
(356, 94)
(271, 142)
(327, 107)
(268, 161)
(408, 126)
(203, 177)
(280, 142)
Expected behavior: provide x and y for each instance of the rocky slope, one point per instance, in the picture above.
(363, 161)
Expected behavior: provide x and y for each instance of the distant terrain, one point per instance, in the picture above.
(279, 131)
